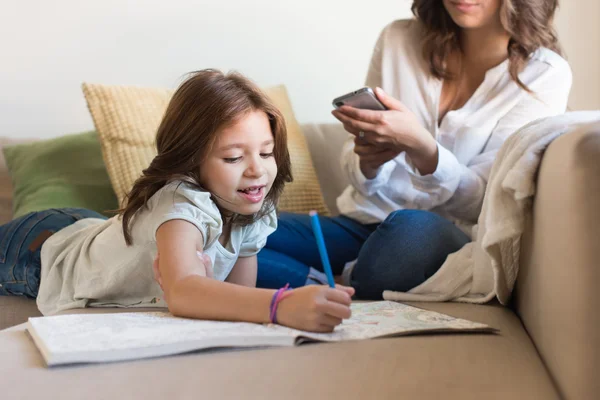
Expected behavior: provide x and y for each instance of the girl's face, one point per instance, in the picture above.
(241, 168)
(473, 14)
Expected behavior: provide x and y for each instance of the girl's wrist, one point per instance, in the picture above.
(278, 296)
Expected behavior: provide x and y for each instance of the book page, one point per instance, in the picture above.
(111, 332)
(388, 318)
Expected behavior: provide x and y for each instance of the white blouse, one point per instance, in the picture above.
(468, 138)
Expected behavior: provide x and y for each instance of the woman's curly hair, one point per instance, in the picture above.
(528, 22)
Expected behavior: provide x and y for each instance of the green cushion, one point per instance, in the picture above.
(64, 172)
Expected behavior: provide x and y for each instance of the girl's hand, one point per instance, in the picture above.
(316, 308)
(387, 133)
(204, 259)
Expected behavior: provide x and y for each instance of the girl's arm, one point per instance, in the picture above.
(244, 272)
(189, 293)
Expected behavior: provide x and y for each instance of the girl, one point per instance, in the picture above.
(457, 81)
(211, 190)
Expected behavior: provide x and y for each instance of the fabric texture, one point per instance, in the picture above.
(488, 267)
(556, 294)
(20, 245)
(291, 251)
(120, 275)
(67, 171)
(399, 254)
(6, 188)
(128, 117)
(468, 138)
(424, 367)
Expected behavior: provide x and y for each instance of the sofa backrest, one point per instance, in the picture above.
(325, 143)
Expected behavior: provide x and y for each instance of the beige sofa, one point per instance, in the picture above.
(548, 345)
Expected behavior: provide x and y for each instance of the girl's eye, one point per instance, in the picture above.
(266, 155)
(232, 160)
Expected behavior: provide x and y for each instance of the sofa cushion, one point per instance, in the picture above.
(15, 310)
(6, 189)
(127, 118)
(451, 366)
(67, 171)
(325, 142)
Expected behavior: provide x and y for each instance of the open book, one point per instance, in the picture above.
(89, 338)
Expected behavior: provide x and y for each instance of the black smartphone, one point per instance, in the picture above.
(363, 98)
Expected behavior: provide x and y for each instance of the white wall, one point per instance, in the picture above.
(578, 25)
(318, 48)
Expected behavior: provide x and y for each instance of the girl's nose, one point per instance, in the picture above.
(255, 168)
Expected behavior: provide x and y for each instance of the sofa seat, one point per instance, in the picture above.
(449, 366)
(16, 309)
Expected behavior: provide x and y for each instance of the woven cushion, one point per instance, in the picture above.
(127, 118)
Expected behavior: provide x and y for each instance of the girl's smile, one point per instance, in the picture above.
(253, 194)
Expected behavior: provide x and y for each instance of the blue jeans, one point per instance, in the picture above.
(21, 242)
(398, 254)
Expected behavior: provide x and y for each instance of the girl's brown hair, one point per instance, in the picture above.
(528, 22)
(204, 103)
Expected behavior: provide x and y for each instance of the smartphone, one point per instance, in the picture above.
(363, 98)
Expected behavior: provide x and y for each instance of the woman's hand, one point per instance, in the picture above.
(387, 134)
(316, 308)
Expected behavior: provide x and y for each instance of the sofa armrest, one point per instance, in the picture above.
(556, 294)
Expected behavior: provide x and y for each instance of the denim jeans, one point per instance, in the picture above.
(21, 243)
(398, 254)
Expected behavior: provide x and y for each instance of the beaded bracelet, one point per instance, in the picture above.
(277, 297)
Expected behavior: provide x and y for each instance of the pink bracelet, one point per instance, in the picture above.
(277, 297)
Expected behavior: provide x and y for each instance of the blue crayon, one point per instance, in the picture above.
(316, 226)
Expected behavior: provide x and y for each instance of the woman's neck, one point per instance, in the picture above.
(484, 48)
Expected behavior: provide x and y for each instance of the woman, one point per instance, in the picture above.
(457, 81)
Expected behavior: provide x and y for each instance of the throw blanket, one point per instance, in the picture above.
(488, 267)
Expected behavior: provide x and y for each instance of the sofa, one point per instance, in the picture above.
(547, 345)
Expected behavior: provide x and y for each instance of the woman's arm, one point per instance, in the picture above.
(365, 182)
(438, 178)
(189, 293)
(460, 188)
(244, 272)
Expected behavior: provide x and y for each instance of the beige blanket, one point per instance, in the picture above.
(488, 267)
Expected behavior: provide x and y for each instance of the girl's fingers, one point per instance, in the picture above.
(338, 296)
(207, 262)
(156, 272)
(324, 328)
(348, 289)
(337, 310)
(329, 320)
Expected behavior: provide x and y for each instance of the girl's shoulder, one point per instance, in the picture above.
(177, 193)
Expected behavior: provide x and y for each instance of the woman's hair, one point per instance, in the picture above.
(528, 22)
(204, 103)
